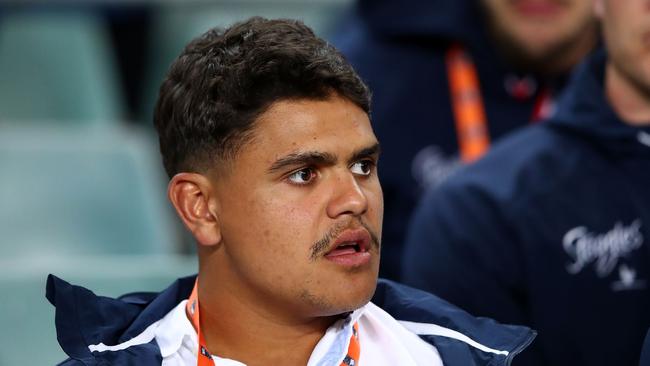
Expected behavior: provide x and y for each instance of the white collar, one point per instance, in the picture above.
(175, 330)
(333, 347)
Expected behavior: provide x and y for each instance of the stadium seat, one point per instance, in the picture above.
(27, 318)
(82, 190)
(57, 66)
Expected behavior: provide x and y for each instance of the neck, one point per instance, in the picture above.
(630, 101)
(567, 55)
(238, 326)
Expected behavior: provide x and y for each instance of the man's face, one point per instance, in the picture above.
(626, 29)
(301, 209)
(540, 30)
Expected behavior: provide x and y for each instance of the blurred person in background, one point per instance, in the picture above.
(451, 76)
(551, 228)
(645, 352)
(265, 133)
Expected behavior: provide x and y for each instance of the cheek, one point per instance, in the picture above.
(285, 227)
(285, 234)
(375, 197)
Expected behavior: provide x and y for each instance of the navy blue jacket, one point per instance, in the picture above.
(645, 353)
(82, 319)
(551, 229)
(398, 49)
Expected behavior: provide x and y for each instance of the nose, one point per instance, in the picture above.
(348, 197)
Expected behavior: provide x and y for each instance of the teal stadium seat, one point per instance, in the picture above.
(28, 336)
(57, 66)
(82, 190)
(87, 204)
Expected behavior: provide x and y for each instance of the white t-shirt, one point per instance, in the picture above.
(383, 341)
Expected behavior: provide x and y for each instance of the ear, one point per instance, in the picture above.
(194, 201)
(599, 9)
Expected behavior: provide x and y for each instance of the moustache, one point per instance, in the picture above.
(320, 247)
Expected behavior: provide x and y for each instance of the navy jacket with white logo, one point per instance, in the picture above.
(399, 48)
(84, 319)
(551, 229)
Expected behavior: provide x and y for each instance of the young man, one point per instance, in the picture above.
(264, 131)
(514, 54)
(551, 229)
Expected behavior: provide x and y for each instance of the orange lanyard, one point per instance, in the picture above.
(205, 358)
(469, 112)
(471, 123)
(192, 310)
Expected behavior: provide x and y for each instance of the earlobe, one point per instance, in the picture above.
(191, 195)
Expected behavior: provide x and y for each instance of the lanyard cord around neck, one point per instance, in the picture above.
(468, 107)
(204, 358)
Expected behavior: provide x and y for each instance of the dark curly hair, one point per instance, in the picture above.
(224, 79)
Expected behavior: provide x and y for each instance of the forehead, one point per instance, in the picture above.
(333, 125)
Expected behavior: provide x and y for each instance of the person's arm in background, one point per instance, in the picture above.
(645, 351)
(461, 248)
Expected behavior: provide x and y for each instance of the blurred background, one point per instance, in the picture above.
(82, 190)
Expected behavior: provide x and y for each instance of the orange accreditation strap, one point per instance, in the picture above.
(192, 310)
(205, 358)
(468, 107)
(467, 104)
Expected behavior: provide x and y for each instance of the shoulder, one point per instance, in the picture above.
(645, 351)
(447, 327)
(100, 330)
(72, 362)
(372, 53)
(517, 167)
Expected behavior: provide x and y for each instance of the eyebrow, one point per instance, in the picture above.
(319, 158)
(370, 151)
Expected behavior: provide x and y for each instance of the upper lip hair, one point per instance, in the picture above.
(359, 236)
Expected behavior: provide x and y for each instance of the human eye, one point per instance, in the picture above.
(303, 176)
(362, 167)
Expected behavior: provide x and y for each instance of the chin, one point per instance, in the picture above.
(356, 297)
(345, 298)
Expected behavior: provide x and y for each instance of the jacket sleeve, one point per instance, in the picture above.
(460, 247)
(645, 351)
(71, 362)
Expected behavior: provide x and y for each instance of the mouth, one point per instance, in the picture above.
(351, 248)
